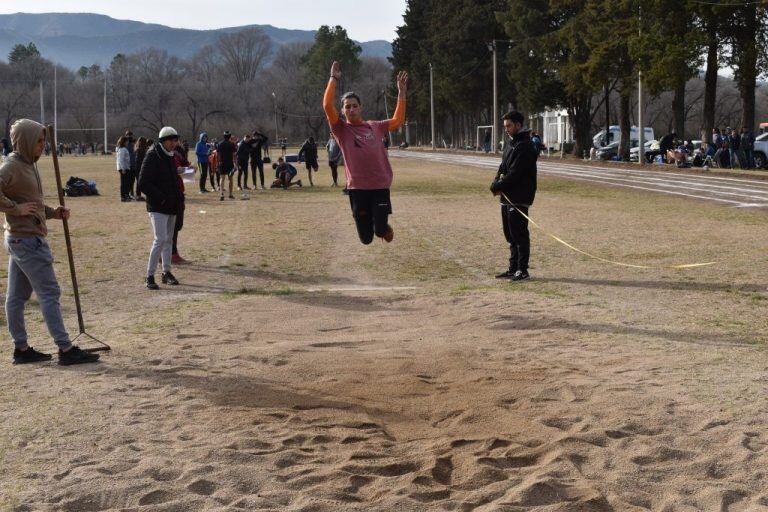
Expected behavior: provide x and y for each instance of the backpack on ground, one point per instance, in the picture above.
(77, 187)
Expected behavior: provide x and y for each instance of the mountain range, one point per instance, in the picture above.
(75, 40)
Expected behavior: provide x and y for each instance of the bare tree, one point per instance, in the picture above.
(244, 53)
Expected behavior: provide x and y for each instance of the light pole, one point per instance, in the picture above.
(641, 127)
(494, 130)
(275, 99)
(432, 103)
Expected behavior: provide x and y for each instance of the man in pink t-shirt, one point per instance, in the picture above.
(366, 165)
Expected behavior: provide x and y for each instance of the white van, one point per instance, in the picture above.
(614, 134)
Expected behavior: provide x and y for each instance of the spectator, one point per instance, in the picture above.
(180, 163)
(203, 154)
(30, 262)
(737, 155)
(133, 174)
(226, 164)
(158, 179)
(140, 151)
(259, 141)
(123, 160)
(334, 156)
(747, 143)
(667, 144)
(308, 153)
(243, 153)
(283, 146)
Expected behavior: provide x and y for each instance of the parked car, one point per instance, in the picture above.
(634, 152)
(761, 151)
(608, 152)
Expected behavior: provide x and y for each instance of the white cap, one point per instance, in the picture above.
(167, 133)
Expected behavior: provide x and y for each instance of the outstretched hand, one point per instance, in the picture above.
(402, 82)
(336, 70)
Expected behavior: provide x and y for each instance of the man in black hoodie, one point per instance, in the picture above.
(516, 184)
(258, 141)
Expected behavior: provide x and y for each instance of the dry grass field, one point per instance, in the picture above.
(296, 369)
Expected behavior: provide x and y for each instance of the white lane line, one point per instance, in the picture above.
(364, 289)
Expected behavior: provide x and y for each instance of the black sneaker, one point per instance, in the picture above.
(509, 274)
(151, 284)
(29, 356)
(168, 278)
(221, 198)
(521, 275)
(76, 356)
(230, 196)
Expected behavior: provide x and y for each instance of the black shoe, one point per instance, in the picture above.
(29, 356)
(76, 356)
(151, 284)
(168, 278)
(221, 198)
(509, 274)
(521, 275)
(204, 191)
(230, 196)
(140, 198)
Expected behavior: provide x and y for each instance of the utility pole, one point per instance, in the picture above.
(641, 127)
(105, 116)
(495, 130)
(55, 107)
(275, 100)
(42, 105)
(432, 103)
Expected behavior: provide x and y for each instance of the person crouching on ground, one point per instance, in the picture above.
(516, 184)
(30, 262)
(284, 174)
(159, 182)
(123, 160)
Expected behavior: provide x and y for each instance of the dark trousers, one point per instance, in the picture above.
(125, 184)
(334, 172)
(177, 228)
(204, 169)
(242, 173)
(516, 232)
(371, 210)
(257, 164)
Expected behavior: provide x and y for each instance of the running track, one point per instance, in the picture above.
(736, 192)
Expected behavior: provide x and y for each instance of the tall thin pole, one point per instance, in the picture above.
(42, 104)
(386, 111)
(274, 98)
(432, 103)
(105, 115)
(641, 127)
(55, 107)
(495, 130)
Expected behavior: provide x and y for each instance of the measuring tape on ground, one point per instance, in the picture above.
(595, 257)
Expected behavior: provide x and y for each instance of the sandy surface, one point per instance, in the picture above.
(408, 379)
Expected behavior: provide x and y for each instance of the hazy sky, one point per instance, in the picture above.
(364, 20)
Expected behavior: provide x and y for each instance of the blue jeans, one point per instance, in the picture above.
(30, 268)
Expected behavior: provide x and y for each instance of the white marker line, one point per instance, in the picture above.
(364, 289)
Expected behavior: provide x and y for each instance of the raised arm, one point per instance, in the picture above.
(398, 118)
(329, 98)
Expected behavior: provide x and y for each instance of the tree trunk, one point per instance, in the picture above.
(747, 72)
(624, 122)
(678, 108)
(580, 117)
(710, 83)
(607, 93)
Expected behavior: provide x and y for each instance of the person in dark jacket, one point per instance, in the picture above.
(226, 163)
(158, 179)
(516, 184)
(308, 153)
(140, 150)
(243, 153)
(258, 142)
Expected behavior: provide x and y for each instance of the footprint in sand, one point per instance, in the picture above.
(156, 497)
(202, 487)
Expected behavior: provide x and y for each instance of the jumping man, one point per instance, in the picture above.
(367, 168)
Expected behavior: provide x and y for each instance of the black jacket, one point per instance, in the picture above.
(309, 152)
(159, 181)
(243, 151)
(516, 177)
(257, 146)
(226, 152)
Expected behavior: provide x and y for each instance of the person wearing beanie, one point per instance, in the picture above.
(158, 180)
(30, 262)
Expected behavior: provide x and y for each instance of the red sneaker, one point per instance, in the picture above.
(390, 235)
(177, 259)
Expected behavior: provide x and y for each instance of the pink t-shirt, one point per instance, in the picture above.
(365, 158)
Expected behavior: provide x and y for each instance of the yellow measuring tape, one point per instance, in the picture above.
(585, 253)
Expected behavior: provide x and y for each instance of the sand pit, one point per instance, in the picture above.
(295, 369)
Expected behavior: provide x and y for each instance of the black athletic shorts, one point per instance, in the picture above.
(370, 201)
(312, 164)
